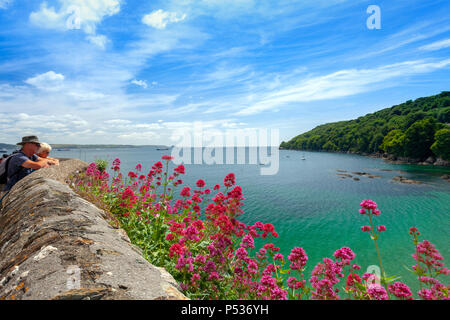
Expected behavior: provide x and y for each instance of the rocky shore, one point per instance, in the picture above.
(406, 180)
(402, 160)
(390, 158)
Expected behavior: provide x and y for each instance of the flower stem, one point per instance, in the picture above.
(383, 275)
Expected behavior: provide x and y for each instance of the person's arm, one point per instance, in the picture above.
(40, 163)
(49, 160)
(55, 161)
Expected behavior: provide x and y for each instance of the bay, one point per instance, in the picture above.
(312, 204)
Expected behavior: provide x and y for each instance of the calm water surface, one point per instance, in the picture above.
(312, 206)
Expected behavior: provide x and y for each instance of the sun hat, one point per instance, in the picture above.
(29, 139)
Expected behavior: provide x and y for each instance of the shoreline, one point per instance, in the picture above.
(388, 158)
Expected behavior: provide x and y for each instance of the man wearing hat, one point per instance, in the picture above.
(25, 161)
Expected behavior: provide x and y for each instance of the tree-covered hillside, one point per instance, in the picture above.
(414, 129)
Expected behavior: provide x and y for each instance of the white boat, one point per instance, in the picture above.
(3, 151)
(302, 158)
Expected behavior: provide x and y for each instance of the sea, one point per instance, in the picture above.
(313, 202)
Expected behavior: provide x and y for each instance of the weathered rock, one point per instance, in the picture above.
(442, 162)
(56, 245)
(366, 174)
(430, 160)
(405, 180)
(344, 175)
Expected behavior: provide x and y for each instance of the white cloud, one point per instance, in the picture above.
(4, 4)
(77, 14)
(84, 95)
(98, 40)
(141, 83)
(339, 84)
(436, 45)
(47, 81)
(117, 121)
(159, 19)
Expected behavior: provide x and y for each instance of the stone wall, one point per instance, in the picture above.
(56, 245)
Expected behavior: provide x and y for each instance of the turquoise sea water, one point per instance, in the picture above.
(311, 206)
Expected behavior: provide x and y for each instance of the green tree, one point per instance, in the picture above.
(444, 115)
(377, 140)
(419, 137)
(330, 146)
(393, 142)
(441, 145)
(367, 133)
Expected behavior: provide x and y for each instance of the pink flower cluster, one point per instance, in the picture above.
(197, 236)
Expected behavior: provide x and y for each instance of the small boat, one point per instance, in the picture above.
(3, 151)
(63, 149)
(302, 158)
(162, 148)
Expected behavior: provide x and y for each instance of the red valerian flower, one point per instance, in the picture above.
(268, 227)
(345, 254)
(179, 169)
(414, 230)
(167, 158)
(200, 183)
(369, 205)
(298, 258)
(175, 249)
(158, 165)
(229, 180)
(185, 192)
(132, 174)
(400, 290)
(352, 277)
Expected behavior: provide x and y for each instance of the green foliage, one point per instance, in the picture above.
(393, 142)
(101, 164)
(441, 145)
(418, 138)
(407, 129)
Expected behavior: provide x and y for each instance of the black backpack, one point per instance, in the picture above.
(4, 169)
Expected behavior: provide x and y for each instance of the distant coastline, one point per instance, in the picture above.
(78, 146)
(386, 157)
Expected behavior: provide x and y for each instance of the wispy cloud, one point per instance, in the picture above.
(4, 4)
(436, 45)
(140, 83)
(159, 19)
(340, 84)
(50, 81)
(75, 14)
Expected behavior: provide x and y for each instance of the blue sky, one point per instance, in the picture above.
(127, 71)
